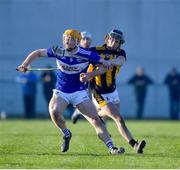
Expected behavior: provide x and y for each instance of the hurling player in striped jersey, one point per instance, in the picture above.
(105, 95)
(72, 60)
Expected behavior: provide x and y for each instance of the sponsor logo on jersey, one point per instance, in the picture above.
(70, 68)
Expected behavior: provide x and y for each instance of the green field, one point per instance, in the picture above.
(35, 144)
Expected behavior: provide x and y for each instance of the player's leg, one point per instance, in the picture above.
(139, 107)
(89, 111)
(109, 109)
(76, 116)
(110, 106)
(177, 108)
(103, 116)
(57, 106)
(26, 106)
(112, 111)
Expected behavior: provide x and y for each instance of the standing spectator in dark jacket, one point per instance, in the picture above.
(172, 80)
(48, 79)
(29, 82)
(140, 81)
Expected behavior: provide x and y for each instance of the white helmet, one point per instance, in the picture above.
(86, 34)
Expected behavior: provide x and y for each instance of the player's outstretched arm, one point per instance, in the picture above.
(30, 58)
(94, 57)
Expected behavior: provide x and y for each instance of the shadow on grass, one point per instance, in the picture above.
(146, 155)
(56, 154)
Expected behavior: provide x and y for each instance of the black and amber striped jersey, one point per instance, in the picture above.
(106, 83)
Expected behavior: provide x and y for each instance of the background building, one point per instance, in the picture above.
(151, 29)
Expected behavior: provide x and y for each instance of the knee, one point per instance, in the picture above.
(56, 115)
(53, 111)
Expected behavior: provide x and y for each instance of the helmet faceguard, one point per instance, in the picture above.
(117, 34)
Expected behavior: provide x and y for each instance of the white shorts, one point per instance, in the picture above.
(73, 98)
(102, 99)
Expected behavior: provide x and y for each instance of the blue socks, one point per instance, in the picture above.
(109, 144)
(66, 132)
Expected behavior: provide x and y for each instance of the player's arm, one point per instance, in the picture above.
(84, 77)
(95, 58)
(30, 58)
(119, 61)
(100, 70)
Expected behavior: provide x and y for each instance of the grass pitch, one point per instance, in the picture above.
(35, 144)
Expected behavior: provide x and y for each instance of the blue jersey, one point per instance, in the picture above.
(71, 65)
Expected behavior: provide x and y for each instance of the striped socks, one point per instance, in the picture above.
(66, 132)
(109, 144)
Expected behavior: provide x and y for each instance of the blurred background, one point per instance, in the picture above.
(152, 35)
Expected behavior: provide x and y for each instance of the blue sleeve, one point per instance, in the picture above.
(50, 53)
(95, 57)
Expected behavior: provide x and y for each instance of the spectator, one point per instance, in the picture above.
(29, 81)
(172, 80)
(48, 79)
(140, 81)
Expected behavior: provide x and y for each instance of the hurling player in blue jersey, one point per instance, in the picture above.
(72, 60)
